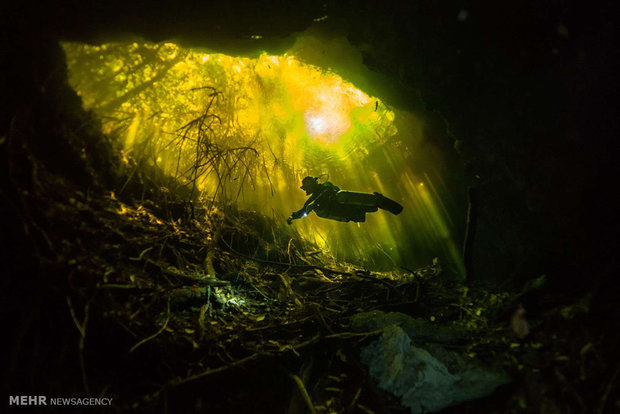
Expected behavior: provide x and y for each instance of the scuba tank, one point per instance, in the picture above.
(353, 206)
(375, 200)
(341, 212)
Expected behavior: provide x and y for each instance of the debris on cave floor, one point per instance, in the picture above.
(166, 306)
(426, 379)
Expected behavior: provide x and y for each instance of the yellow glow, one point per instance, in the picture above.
(300, 120)
(292, 111)
(132, 131)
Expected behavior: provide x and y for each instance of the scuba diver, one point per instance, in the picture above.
(328, 201)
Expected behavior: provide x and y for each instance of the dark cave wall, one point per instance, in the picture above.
(524, 91)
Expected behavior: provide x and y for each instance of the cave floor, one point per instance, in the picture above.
(158, 304)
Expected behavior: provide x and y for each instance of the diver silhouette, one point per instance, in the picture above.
(328, 201)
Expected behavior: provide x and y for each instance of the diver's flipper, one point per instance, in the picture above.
(388, 204)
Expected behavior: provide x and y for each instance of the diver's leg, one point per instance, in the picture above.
(390, 205)
(357, 215)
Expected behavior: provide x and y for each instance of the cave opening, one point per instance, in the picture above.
(151, 156)
(246, 130)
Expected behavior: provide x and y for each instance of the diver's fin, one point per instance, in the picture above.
(388, 204)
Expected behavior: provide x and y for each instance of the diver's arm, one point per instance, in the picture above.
(307, 208)
(296, 215)
(303, 212)
(326, 188)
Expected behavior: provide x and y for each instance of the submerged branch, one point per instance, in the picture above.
(164, 326)
(269, 262)
(233, 364)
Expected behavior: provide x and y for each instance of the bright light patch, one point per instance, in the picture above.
(267, 97)
(317, 125)
(327, 127)
(265, 117)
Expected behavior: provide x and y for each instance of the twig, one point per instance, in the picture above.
(317, 311)
(470, 233)
(241, 361)
(288, 250)
(187, 278)
(365, 409)
(413, 272)
(137, 259)
(569, 386)
(125, 287)
(376, 279)
(608, 391)
(310, 341)
(267, 175)
(133, 348)
(269, 262)
(304, 392)
(355, 398)
(81, 327)
(347, 335)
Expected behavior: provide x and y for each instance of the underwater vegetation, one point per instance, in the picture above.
(247, 130)
(155, 255)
